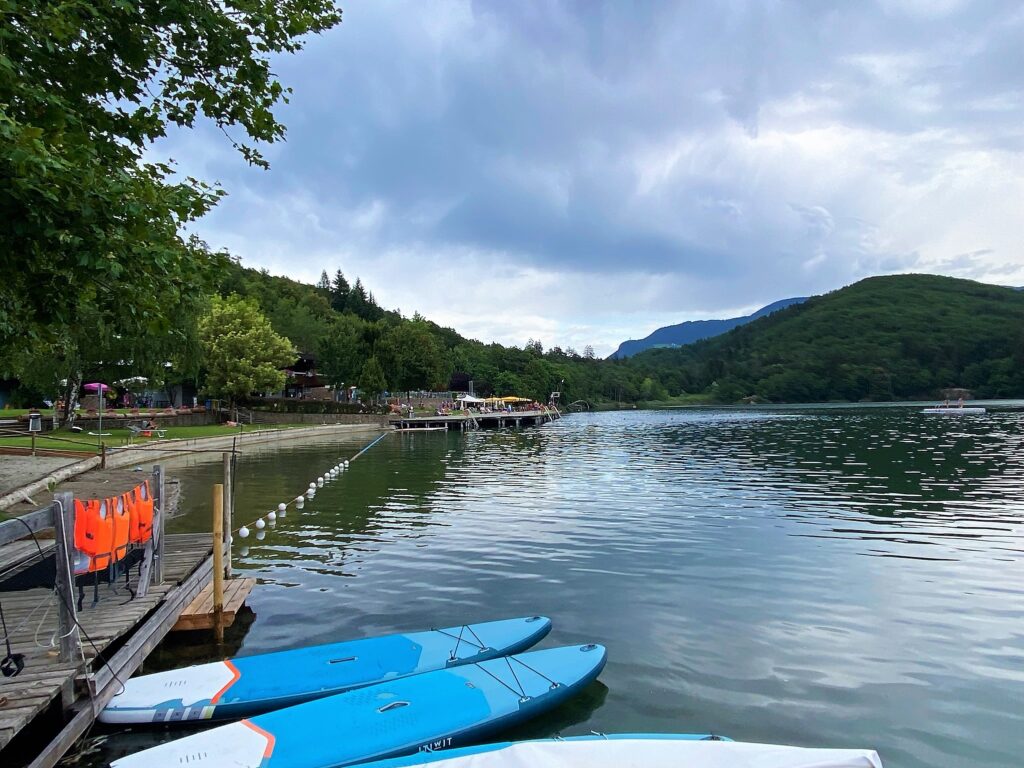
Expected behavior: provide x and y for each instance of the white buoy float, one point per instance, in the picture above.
(346, 463)
(271, 516)
(299, 503)
(282, 507)
(319, 482)
(243, 532)
(260, 524)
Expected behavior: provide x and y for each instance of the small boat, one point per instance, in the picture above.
(650, 750)
(954, 410)
(252, 684)
(432, 711)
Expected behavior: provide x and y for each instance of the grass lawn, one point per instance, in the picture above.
(13, 413)
(118, 436)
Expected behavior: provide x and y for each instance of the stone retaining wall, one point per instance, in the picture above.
(270, 417)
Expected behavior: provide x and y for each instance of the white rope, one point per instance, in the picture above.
(299, 502)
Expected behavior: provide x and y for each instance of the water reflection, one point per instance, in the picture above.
(839, 576)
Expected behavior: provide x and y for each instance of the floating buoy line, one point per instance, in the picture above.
(270, 518)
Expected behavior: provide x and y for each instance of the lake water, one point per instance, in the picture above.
(847, 577)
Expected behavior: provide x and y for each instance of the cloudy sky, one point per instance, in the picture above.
(585, 172)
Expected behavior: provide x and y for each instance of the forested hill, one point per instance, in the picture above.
(355, 341)
(883, 338)
(695, 330)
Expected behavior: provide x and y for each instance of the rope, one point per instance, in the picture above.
(458, 638)
(522, 691)
(298, 499)
(69, 607)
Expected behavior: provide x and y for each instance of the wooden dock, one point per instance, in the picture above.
(199, 614)
(462, 421)
(75, 659)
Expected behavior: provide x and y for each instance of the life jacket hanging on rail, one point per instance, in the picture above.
(140, 507)
(94, 533)
(122, 526)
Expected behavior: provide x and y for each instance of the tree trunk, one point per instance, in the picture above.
(74, 383)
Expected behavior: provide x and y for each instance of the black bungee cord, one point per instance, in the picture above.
(12, 663)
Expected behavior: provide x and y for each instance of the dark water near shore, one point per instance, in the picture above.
(820, 576)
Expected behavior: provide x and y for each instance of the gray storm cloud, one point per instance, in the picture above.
(600, 169)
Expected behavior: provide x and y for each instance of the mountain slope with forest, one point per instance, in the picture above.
(695, 330)
(883, 338)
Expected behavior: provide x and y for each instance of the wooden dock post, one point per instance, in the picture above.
(218, 561)
(228, 510)
(159, 523)
(67, 622)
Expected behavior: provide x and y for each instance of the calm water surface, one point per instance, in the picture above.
(830, 577)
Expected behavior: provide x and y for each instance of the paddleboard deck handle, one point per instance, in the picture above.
(392, 705)
(341, 661)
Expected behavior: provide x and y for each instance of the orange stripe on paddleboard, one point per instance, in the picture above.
(235, 675)
(265, 734)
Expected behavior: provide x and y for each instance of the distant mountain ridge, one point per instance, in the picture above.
(695, 330)
(894, 337)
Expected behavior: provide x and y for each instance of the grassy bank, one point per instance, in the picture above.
(66, 440)
(680, 400)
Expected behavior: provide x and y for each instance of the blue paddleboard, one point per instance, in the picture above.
(252, 684)
(435, 710)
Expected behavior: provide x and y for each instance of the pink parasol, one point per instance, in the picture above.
(95, 387)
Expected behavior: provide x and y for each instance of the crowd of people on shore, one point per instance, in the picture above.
(458, 407)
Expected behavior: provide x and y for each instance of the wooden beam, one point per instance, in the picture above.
(159, 523)
(12, 530)
(80, 722)
(218, 562)
(67, 618)
(228, 512)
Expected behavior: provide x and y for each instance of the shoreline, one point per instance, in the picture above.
(118, 458)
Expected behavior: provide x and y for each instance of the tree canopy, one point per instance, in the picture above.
(86, 86)
(241, 351)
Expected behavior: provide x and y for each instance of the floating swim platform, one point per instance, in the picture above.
(427, 712)
(249, 685)
(650, 750)
(955, 411)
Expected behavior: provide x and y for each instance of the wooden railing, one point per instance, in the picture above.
(60, 516)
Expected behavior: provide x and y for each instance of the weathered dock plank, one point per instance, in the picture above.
(199, 615)
(121, 629)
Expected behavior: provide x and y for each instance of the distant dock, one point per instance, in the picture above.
(462, 421)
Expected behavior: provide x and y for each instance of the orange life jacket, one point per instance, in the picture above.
(94, 532)
(122, 523)
(140, 508)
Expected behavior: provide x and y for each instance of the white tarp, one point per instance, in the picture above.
(657, 753)
(471, 399)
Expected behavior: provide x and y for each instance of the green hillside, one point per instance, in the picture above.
(345, 328)
(883, 338)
